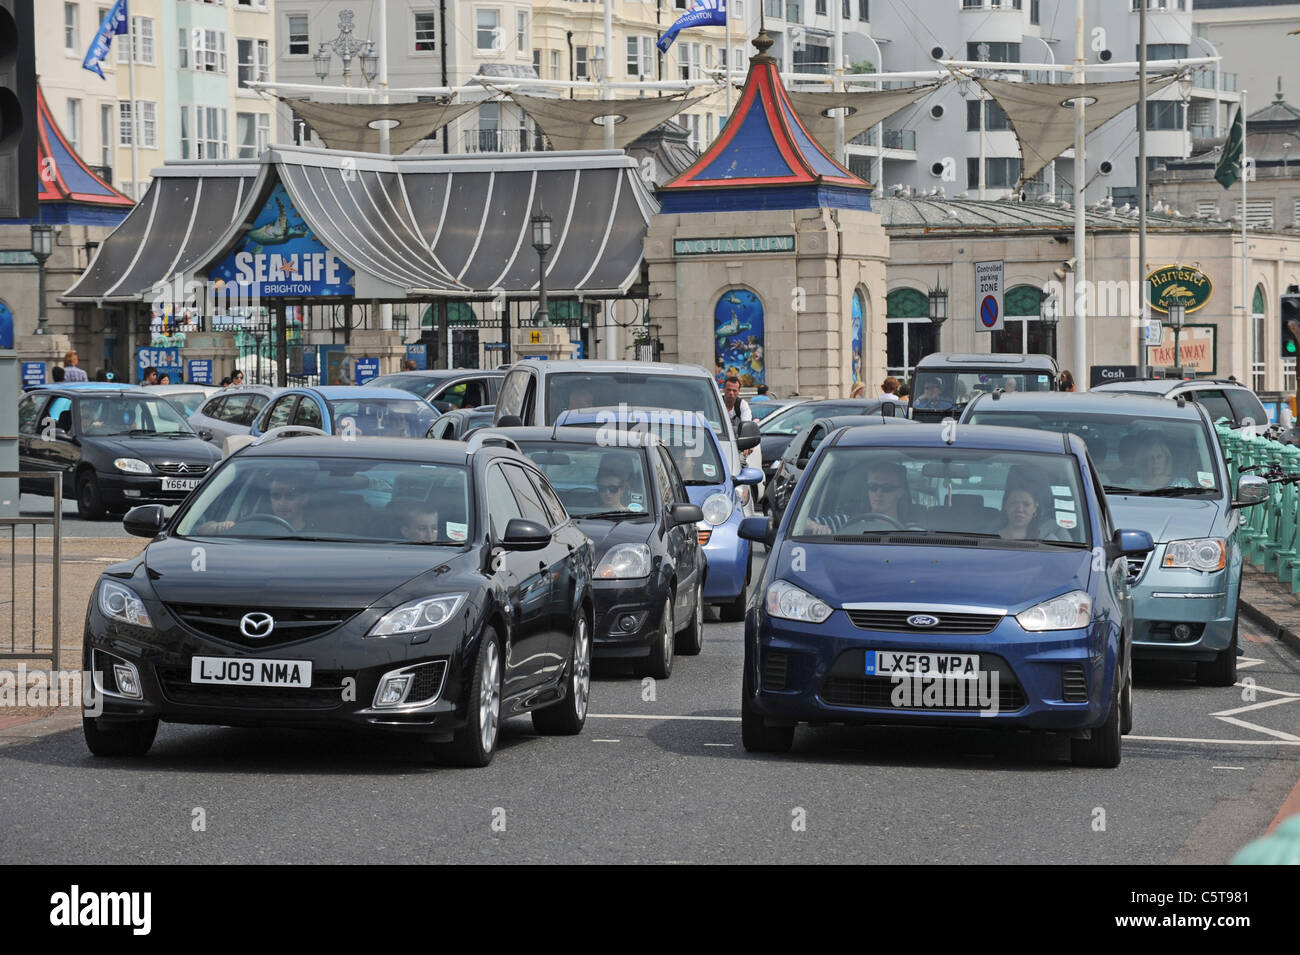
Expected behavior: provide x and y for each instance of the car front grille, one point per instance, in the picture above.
(291, 624)
(427, 683)
(895, 621)
(325, 693)
(878, 692)
(1074, 684)
(191, 470)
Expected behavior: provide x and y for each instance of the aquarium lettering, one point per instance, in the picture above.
(730, 245)
(273, 267)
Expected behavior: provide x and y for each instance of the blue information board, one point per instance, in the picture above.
(166, 360)
(33, 373)
(200, 371)
(418, 354)
(366, 369)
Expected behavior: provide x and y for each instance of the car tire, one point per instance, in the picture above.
(1126, 704)
(735, 611)
(1103, 749)
(755, 734)
(566, 718)
(659, 664)
(132, 738)
(1222, 670)
(90, 502)
(475, 744)
(691, 640)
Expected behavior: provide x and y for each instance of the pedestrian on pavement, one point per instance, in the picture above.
(904, 391)
(762, 394)
(859, 390)
(165, 380)
(1066, 382)
(737, 407)
(57, 374)
(889, 389)
(150, 376)
(225, 382)
(236, 377)
(408, 364)
(70, 370)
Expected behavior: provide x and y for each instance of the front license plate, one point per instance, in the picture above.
(179, 484)
(250, 672)
(924, 663)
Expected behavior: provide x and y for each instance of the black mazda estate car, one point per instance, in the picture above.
(430, 588)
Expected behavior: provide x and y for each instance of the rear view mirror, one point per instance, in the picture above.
(509, 421)
(888, 409)
(946, 469)
(558, 458)
(443, 406)
(749, 436)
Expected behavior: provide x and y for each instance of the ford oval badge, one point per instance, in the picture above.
(922, 620)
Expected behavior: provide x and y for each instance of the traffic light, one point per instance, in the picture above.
(18, 172)
(1290, 325)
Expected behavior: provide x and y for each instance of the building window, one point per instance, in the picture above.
(141, 42)
(1164, 114)
(253, 131)
(580, 62)
(1163, 51)
(124, 124)
(71, 35)
(210, 51)
(254, 61)
(1259, 213)
(1207, 208)
(183, 49)
(521, 32)
(1034, 14)
(994, 116)
(555, 65)
(106, 137)
(487, 35)
(185, 132)
(640, 56)
(821, 8)
(537, 63)
(864, 10)
(909, 335)
(999, 172)
(813, 58)
(994, 52)
(211, 133)
(73, 128)
(148, 123)
(426, 33)
(299, 42)
(1259, 310)
(847, 10)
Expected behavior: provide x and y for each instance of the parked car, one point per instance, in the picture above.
(784, 478)
(188, 398)
(1220, 397)
(379, 585)
(918, 609)
(457, 425)
(231, 411)
(770, 406)
(710, 482)
(1163, 471)
(779, 428)
(446, 390)
(114, 448)
(943, 384)
(349, 410)
(630, 501)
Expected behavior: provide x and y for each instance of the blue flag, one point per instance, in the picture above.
(704, 13)
(116, 21)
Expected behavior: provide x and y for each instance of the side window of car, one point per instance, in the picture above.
(796, 445)
(530, 401)
(308, 414)
(214, 407)
(1215, 403)
(554, 508)
(814, 439)
(530, 503)
(502, 506)
(511, 400)
(1246, 406)
(230, 408)
(454, 395)
(280, 413)
(255, 404)
(29, 414)
(59, 412)
(664, 482)
(675, 476)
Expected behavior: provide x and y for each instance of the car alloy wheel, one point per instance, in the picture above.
(489, 700)
(566, 717)
(581, 668)
(659, 662)
(691, 640)
(475, 743)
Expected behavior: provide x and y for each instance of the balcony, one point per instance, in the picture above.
(502, 141)
(894, 139)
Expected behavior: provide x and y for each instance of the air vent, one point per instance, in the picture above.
(1074, 684)
(774, 673)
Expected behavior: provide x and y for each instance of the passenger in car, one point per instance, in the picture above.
(1026, 505)
(421, 524)
(1155, 466)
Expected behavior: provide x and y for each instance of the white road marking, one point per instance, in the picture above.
(1229, 767)
(1287, 737)
(606, 741)
(647, 716)
(1245, 663)
(1266, 689)
(722, 745)
(1276, 701)
(1216, 742)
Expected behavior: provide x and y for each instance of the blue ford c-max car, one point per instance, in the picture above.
(926, 576)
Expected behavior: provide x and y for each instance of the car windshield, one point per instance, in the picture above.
(187, 401)
(332, 499)
(687, 443)
(948, 390)
(800, 416)
(957, 496)
(594, 481)
(118, 414)
(763, 409)
(1131, 453)
(600, 390)
(382, 417)
(420, 385)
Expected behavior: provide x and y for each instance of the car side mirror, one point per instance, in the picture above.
(205, 434)
(523, 534)
(749, 436)
(147, 520)
(685, 513)
(1251, 490)
(748, 476)
(508, 421)
(442, 407)
(888, 408)
(758, 529)
(1130, 544)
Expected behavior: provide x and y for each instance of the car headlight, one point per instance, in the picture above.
(717, 508)
(1071, 611)
(625, 562)
(416, 616)
(1205, 554)
(118, 602)
(789, 602)
(133, 465)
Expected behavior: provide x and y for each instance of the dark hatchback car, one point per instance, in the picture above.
(789, 467)
(779, 427)
(446, 390)
(372, 584)
(629, 499)
(457, 425)
(113, 448)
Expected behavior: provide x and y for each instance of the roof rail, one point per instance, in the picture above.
(486, 439)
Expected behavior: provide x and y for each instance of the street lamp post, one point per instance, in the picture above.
(348, 48)
(938, 310)
(542, 243)
(42, 247)
(1177, 314)
(1049, 313)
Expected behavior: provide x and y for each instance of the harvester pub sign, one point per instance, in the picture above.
(280, 256)
(1183, 285)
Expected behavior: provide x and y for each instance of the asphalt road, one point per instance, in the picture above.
(30, 505)
(666, 780)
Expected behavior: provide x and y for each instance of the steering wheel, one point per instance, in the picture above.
(269, 518)
(872, 518)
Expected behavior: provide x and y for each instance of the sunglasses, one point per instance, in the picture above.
(884, 488)
(611, 488)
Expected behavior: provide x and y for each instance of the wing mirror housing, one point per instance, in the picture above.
(147, 520)
(758, 529)
(524, 534)
(685, 513)
(749, 436)
(1251, 490)
(1130, 544)
(748, 476)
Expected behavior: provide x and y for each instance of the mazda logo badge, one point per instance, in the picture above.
(257, 625)
(919, 620)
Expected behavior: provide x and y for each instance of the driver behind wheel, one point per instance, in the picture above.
(887, 495)
(287, 498)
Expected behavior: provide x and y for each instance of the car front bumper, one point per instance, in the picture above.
(727, 555)
(798, 672)
(118, 490)
(639, 603)
(1165, 599)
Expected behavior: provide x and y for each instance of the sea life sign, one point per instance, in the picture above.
(738, 337)
(1184, 285)
(280, 256)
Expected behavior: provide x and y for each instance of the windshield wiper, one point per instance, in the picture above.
(1056, 543)
(702, 483)
(609, 515)
(1176, 491)
(114, 434)
(1118, 489)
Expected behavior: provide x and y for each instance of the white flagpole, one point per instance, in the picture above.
(726, 16)
(1245, 252)
(1080, 235)
(837, 79)
(608, 121)
(135, 116)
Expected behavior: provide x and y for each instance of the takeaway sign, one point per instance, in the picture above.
(280, 256)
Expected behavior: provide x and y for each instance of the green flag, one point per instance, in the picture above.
(1228, 170)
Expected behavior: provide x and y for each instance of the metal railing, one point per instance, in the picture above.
(894, 139)
(31, 650)
(502, 141)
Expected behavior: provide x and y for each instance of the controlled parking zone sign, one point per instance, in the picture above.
(988, 296)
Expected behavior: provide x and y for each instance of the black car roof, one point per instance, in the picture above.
(426, 451)
(943, 360)
(1095, 402)
(983, 437)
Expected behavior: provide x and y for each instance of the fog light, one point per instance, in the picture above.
(128, 680)
(1182, 631)
(130, 493)
(392, 691)
(627, 622)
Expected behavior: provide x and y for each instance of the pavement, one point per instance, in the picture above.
(1271, 605)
